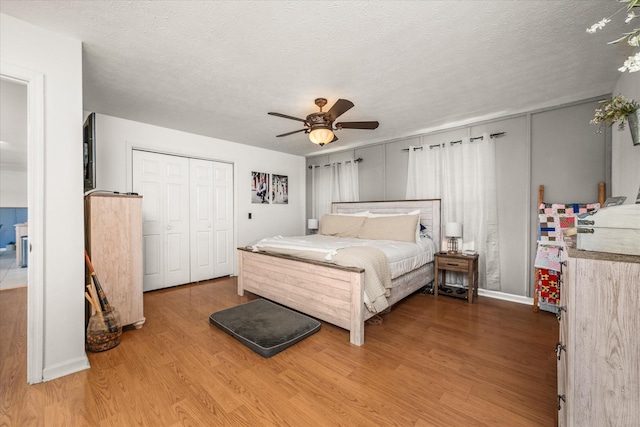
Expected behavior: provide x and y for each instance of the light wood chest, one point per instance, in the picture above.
(114, 243)
(599, 347)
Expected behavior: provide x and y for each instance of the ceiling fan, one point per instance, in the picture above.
(320, 125)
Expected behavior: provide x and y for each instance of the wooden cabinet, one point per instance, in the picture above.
(599, 347)
(114, 243)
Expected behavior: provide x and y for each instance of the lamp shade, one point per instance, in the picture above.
(453, 229)
(321, 135)
(312, 224)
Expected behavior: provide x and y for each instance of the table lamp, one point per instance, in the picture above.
(453, 230)
(312, 224)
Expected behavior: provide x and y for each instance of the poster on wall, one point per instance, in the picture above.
(259, 187)
(280, 189)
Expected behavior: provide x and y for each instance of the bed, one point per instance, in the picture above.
(335, 293)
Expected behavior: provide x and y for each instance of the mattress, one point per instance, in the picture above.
(403, 256)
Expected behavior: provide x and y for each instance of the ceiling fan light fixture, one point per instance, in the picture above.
(321, 135)
(319, 125)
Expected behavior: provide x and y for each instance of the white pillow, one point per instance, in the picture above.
(416, 212)
(363, 213)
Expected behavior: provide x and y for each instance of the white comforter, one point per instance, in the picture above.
(403, 256)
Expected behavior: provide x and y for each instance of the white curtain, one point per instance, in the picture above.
(337, 182)
(463, 176)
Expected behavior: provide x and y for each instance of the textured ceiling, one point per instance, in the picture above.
(216, 68)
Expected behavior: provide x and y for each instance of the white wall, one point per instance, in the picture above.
(116, 137)
(625, 174)
(59, 59)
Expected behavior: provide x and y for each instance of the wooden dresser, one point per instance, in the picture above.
(114, 243)
(599, 348)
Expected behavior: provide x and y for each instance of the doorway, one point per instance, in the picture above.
(34, 251)
(13, 185)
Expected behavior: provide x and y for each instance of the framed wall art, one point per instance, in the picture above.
(280, 189)
(260, 187)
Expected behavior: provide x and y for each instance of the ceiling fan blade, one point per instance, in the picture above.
(291, 133)
(357, 125)
(339, 108)
(288, 117)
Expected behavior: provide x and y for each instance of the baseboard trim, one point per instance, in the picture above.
(62, 369)
(506, 297)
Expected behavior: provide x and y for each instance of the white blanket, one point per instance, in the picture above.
(302, 243)
(403, 256)
(371, 255)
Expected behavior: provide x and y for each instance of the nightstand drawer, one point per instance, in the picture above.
(453, 265)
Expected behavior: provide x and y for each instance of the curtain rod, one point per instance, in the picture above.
(493, 135)
(358, 160)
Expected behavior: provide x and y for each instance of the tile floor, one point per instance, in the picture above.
(11, 275)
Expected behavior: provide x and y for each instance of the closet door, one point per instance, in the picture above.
(163, 181)
(223, 221)
(211, 219)
(201, 173)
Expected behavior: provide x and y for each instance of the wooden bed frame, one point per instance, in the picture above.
(327, 291)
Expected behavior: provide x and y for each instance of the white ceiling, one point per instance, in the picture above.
(216, 68)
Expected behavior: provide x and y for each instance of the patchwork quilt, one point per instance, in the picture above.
(548, 287)
(552, 220)
(548, 257)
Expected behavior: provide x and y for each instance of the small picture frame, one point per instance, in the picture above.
(614, 201)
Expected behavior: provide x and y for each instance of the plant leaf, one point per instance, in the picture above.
(618, 40)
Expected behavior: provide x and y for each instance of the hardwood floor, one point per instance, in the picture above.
(430, 363)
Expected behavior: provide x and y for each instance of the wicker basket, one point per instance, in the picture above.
(103, 331)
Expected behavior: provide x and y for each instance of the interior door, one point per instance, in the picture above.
(223, 219)
(163, 181)
(211, 219)
(201, 175)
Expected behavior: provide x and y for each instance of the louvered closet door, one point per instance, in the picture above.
(163, 181)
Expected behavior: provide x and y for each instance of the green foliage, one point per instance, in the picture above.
(613, 110)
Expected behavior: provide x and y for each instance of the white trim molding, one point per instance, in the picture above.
(506, 297)
(67, 368)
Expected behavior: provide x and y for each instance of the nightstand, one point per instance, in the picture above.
(461, 263)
